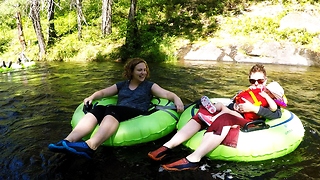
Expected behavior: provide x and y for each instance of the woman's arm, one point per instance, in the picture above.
(163, 93)
(247, 106)
(109, 91)
(272, 104)
(268, 114)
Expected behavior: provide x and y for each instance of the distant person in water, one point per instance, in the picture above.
(6, 66)
(22, 59)
(134, 99)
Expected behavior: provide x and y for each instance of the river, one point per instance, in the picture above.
(37, 106)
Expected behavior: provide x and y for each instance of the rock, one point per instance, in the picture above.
(300, 20)
(263, 52)
(207, 52)
(238, 49)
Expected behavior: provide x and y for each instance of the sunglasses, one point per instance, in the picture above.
(253, 81)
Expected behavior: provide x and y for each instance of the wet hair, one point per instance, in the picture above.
(131, 64)
(257, 68)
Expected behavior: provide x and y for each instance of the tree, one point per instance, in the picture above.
(106, 17)
(50, 16)
(132, 31)
(80, 18)
(35, 17)
(132, 11)
(20, 31)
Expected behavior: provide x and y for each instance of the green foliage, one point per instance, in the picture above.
(10, 7)
(67, 48)
(253, 25)
(5, 39)
(66, 24)
(301, 2)
(161, 22)
(267, 28)
(297, 36)
(162, 27)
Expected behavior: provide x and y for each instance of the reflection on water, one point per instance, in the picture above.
(37, 105)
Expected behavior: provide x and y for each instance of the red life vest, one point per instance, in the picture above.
(255, 98)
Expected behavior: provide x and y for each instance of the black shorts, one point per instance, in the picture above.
(121, 113)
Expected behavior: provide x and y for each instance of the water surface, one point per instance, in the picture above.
(37, 105)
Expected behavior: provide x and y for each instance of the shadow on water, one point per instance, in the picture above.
(39, 104)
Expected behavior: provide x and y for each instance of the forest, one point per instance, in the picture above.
(76, 30)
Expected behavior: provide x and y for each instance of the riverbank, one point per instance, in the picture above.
(223, 30)
(263, 52)
(235, 47)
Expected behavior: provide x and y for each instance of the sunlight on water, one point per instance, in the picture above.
(37, 105)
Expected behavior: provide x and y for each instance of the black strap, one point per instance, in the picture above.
(88, 107)
(255, 125)
(173, 107)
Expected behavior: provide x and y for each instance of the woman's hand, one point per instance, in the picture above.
(247, 106)
(264, 94)
(179, 105)
(88, 100)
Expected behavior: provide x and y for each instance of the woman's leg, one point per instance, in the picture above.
(84, 127)
(209, 142)
(232, 112)
(107, 128)
(219, 106)
(185, 133)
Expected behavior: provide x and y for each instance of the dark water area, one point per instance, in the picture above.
(37, 105)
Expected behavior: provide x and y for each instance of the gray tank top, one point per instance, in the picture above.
(139, 98)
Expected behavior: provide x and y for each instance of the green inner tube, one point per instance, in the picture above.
(141, 129)
(282, 137)
(17, 66)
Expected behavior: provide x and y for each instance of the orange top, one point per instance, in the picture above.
(255, 98)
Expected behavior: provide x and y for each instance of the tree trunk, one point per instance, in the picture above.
(106, 17)
(20, 31)
(132, 11)
(132, 37)
(80, 18)
(35, 17)
(51, 30)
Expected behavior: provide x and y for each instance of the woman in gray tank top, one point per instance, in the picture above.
(134, 98)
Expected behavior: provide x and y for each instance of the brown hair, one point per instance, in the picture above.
(257, 68)
(131, 64)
